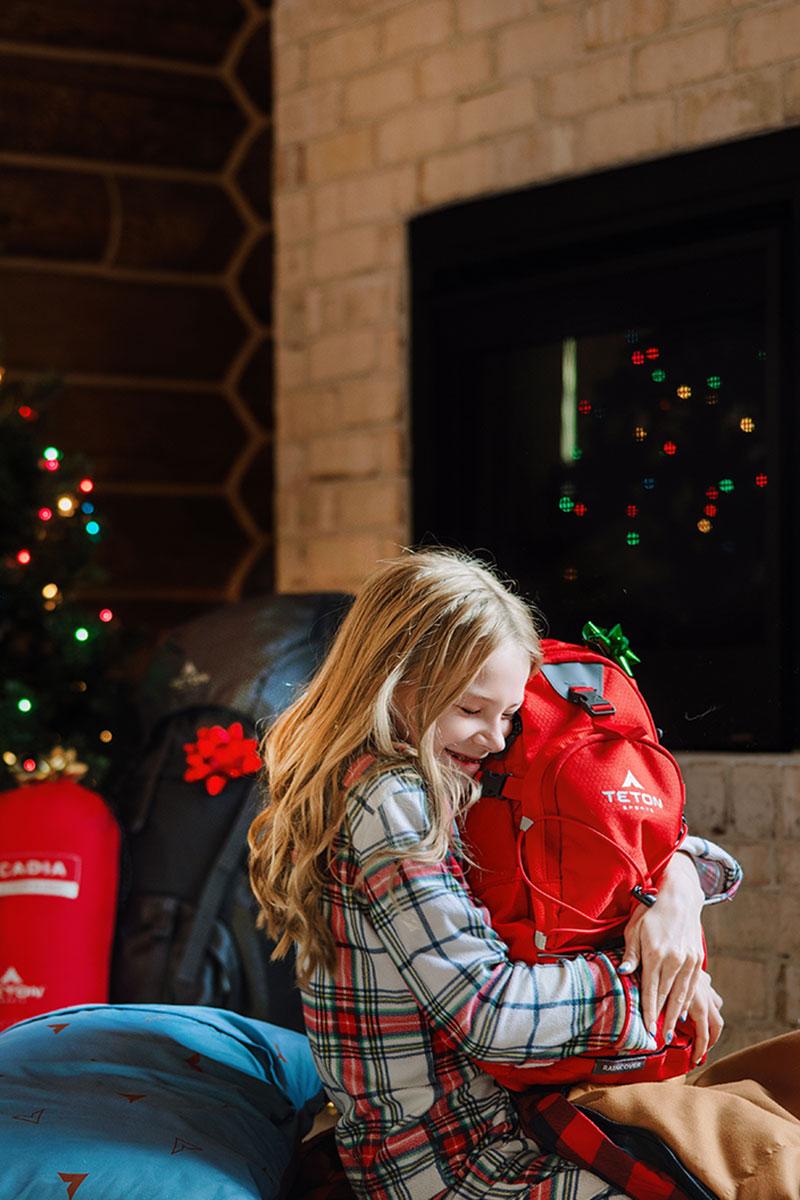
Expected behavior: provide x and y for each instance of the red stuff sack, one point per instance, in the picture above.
(580, 814)
(59, 872)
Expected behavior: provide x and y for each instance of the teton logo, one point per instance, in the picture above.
(13, 988)
(37, 873)
(632, 794)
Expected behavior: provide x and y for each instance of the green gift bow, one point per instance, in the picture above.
(612, 643)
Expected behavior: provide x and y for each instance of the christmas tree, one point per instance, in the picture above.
(65, 694)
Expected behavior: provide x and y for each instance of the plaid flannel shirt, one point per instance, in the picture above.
(423, 988)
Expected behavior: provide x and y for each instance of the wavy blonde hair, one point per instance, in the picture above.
(428, 619)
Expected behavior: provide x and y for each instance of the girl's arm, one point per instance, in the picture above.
(667, 939)
(456, 966)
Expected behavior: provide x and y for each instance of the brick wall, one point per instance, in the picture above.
(385, 108)
(136, 264)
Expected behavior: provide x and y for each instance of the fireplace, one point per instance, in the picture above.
(604, 391)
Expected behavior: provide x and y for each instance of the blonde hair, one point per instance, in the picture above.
(428, 619)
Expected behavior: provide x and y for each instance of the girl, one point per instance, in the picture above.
(355, 861)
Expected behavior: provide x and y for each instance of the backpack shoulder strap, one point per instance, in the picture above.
(228, 861)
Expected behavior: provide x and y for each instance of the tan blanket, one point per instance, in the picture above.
(735, 1124)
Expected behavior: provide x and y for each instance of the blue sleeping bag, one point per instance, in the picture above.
(151, 1101)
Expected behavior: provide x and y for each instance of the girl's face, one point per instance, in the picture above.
(480, 720)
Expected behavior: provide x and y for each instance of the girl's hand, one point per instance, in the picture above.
(667, 942)
(705, 1012)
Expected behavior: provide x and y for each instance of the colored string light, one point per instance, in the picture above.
(710, 510)
(51, 454)
(640, 433)
(649, 482)
(24, 557)
(565, 504)
(670, 448)
(761, 481)
(580, 510)
(584, 407)
(652, 352)
(81, 634)
(570, 574)
(704, 525)
(684, 392)
(92, 528)
(712, 493)
(632, 510)
(637, 357)
(632, 539)
(9, 758)
(87, 507)
(66, 506)
(726, 485)
(747, 424)
(85, 486)
(658, 376)
(45, 514)
(106, 615)
(24, 705)
(106, 735)
(29, 765)
(52, 464)
(50, 591)
(714, 381)
(632, 337)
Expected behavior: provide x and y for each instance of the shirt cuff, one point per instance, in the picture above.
(719, 872)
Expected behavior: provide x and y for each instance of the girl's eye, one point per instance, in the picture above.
(471, 712)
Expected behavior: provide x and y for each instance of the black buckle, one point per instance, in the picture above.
(591, 701)
(493, 782)
(647, 897)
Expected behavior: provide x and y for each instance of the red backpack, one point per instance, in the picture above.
(580, 814)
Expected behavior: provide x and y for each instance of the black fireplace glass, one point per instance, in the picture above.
(610, 422)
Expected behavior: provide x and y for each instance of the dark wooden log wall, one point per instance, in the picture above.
(136, 264)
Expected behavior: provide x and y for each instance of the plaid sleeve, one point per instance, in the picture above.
(719, 872)
(457, 967)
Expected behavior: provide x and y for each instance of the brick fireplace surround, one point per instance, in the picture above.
(384, 109)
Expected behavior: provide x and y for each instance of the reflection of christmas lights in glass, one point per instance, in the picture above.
(570, 574)
(640, 433)
(649, 482)
(24, 557)
(712, 398)
(652, 352)
(664, 405)
(747, 424)
(50, 591)
(565, 504)
(712, 493)
(714, 381)
(24, 705)
(632, 539)
(106, 614)
(704, 526)
(580, 510)
(577, 453)
(81, 634)
(762, 354)
(658, 375)
(710, 510)
(670, 448)
(761, 480)
(584, 406)
(632, 510)
(726, 485)
(684, 392)
(637, 357)
(632, 337)
(45, 514)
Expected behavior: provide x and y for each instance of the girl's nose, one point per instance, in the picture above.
(494, 737)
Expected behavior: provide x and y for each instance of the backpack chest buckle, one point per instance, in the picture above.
(591, 701)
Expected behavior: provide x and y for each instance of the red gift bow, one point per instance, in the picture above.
(219, 755)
